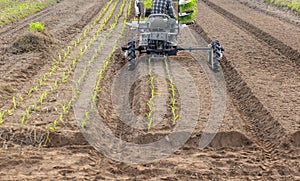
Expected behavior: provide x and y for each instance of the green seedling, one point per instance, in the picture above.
(45, 77)
(30, 91)
(41, 81)
(55, 61)
(22, 120)
(36, 88)
(69, 49)
(74, 61)
(80, 51)
(86, 115)
(41, 98)
(53, 68)
(51, 127)
(83, 124)
(61, 117)
(150, 123)
(85, 48)
(34, 107)
(59, 57)
(2, 115)
(55, 122)
(70, 104)
(64, 108)
(70, 70)
(78, 40)
(14, 102)
(27, 111)
(21, 98)
(84, 33)
(9, 112)
(65, 53)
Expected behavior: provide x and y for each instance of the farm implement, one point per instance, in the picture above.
(158, 35)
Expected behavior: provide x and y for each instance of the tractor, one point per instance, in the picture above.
(158, 36)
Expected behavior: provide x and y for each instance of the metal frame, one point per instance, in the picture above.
(159, 43)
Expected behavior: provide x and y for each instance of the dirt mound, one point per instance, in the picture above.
(223, 140)
(6, 89)
(29, 136)
(32, 41)
(230, 139)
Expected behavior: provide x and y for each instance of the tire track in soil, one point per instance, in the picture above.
(284, 32)
(265, 129)
(230, 67)
(273, 11)
(285, 50)
(272, 154)
(261, 66)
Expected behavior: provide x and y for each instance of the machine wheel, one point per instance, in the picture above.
(130, 54)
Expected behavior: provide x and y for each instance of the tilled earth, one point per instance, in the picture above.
(258, 138)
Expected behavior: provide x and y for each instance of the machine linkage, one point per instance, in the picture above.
(214, 49)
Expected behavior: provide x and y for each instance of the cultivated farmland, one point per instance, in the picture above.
(64, 86)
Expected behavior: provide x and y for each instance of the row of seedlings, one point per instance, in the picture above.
(61, 56)
(66, 74)
(173, 101)
(53, 126)
(105, 65)
(150, 103)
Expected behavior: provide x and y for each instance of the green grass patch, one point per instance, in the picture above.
(187, 19)
(14, 10)
(36, 26)
(191, 5)
(291, 4)
(147, 4)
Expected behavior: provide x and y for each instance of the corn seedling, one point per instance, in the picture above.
(36, 88)
(83, 123)
(64, 108)
(1, 116)
(60, 58)
(150, 103)
(172, 93)
(29, 92)
(22, 120)
(14, 102)
(64, 53)
(9, 111)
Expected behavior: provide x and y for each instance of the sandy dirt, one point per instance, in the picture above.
(258, 138)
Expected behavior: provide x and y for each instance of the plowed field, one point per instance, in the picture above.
(70, 110)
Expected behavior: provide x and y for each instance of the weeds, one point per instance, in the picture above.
(36, 26)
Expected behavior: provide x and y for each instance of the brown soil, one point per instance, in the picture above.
(258, 138)
(33, 41)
